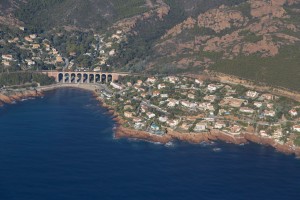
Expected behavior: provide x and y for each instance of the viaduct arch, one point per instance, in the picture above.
(84, 77)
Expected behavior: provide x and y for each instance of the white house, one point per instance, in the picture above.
(116, 86)
(267, 96)
(155, 93)
(112, 52)
(191, 96)
(296, 128)
(263, 133)
(144, 108)
(28, 39)
(188, 104)
(163, 119)
(199, 82)
(30, 62)
(206, 106)
(172, 102)
(33, 36)
(139, 125)
(201, 126)
(36, 46)
(220, 125)
(97, 69)
(246, 110)
(258, 104)
(7, 57)
(161, 86)
(212, 87)
(173, 122)
(5, 63)
(252, 94)
(172, 79)
(115, 36)
(235, 130)
(185, 126)
(210, 98)
(270, 113)
(164, 95)
(293, 113)
(151, 80)
(150, 115)
(128, 114)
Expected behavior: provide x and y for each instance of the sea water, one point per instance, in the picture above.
(61, 147)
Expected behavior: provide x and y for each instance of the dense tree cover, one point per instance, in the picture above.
(76, 42)
(297, 140)
(29, 11)
(80, 43)
(41, 15)
(18, 51)
(20, 78)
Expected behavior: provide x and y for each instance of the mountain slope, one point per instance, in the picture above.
(253, 39)
(7, 7)
(95, 14)
(250, 40)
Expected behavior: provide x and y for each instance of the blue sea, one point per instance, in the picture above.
(61, 147)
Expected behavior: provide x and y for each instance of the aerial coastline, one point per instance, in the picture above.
(149, 99)
(169, 133)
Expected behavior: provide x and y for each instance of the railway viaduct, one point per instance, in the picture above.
(84, 77)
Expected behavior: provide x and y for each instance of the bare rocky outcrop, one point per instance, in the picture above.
(221, 19)
(189, 23)
(6, 13)
(268, 48)
(270, 7)
(230, 32)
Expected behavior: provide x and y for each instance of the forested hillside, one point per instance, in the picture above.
(91, 14)
(253, 39)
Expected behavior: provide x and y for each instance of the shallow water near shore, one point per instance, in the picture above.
(61, 147)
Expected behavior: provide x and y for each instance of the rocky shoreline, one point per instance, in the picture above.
(195, 138)
(171, 135)
(214, 135)
(11, 96)
(14, 96)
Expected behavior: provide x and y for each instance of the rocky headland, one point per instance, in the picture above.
(9, 97)
(195, 138)
(213, 135)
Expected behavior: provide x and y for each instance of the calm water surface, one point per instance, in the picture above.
(61, 147)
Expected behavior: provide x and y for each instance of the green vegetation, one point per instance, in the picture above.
(32, 8)
(282, 70)
(40, 15)
(244, 8)
(21, 78)
(130, 8)
(250, 36)
(292, 11)
(297, 141)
